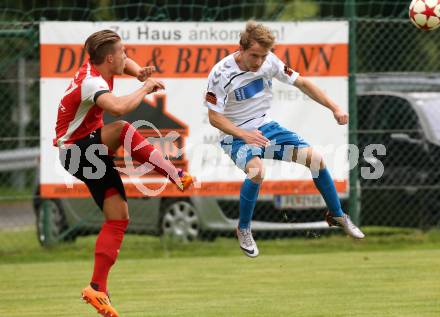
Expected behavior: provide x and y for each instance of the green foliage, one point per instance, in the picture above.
(195, 10)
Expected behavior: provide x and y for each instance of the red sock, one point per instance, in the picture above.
(106, 251)
(146, 153)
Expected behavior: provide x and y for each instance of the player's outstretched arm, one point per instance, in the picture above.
(314, 92)
(224, 124)
(141, 73)
(118, 106)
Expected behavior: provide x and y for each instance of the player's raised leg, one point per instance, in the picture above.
(248, 198)
(324, 182)
(123, 133)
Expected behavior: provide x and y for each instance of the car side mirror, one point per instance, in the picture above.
(403, 137)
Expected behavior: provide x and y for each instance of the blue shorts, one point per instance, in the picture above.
(282, 143)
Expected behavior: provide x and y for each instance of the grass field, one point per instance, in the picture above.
(393, 273)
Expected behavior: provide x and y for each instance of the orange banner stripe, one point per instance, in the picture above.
(207, 189)
(195, 61)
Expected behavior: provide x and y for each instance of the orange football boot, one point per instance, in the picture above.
(100, 301)
(186, 179)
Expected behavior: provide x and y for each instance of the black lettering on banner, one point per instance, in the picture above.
(286, 58)
(82, 57)
(303, 57)
(183, 58)
(220, 54)
(130, 51)
(327, 59)
(70, 58)
(146, 33)
(156, 61)
(177, 35)
(202, 59)
(142, 33)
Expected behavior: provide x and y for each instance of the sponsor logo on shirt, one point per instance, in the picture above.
(249, 90)
(211, 98)
(288, 71)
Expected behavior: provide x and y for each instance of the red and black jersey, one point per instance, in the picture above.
(78, 114)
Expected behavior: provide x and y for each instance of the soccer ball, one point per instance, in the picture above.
(425, 14)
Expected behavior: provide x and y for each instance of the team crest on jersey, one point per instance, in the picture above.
(288, 71)
(211, 98)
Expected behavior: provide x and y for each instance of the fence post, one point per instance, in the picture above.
(22, 118)
(354, 205)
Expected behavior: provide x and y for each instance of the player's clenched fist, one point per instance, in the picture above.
(145, 72)
(153, 85)
(341, 117)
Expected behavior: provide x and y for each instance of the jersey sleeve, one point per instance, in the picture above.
(281, 71)
(92, 88)
(215, 97)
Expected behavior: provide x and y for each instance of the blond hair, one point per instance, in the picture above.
(256, 32)
(100, 44)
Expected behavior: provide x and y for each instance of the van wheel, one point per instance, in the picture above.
(51, 223)
(179, 220)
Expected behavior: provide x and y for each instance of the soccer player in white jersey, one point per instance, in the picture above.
(238, 99)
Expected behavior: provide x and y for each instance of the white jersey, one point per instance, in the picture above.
(245, 97)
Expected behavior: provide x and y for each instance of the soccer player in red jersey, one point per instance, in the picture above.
(85, 143)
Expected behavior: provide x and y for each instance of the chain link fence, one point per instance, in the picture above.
(19, 125)
(397, 88)
(395, 103)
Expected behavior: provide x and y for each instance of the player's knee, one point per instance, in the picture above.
(119, 125)
(315, 161)
(257, 179)
(125, 216)
(256, 174)
(115, 208)
(122, 128)
(122, 214)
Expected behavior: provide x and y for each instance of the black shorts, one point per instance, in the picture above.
(88, 160)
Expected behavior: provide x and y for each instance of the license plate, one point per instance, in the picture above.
(299, 201)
